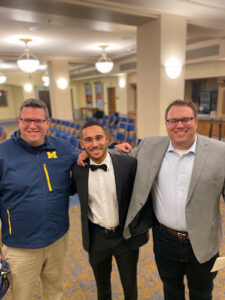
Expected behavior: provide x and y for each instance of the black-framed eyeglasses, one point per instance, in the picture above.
(185, 121)
(29, 121)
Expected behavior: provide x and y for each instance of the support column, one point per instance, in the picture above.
(122, 94)
(61, 101)
(157, 41)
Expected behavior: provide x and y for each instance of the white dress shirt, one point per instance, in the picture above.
(170, 189)
(102, 197)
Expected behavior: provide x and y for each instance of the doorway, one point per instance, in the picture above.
(111, 100)
(44, 96)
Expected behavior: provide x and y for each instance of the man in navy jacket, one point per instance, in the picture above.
(34, 200)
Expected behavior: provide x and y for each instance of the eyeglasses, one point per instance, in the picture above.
(185, 121)
(29, 121)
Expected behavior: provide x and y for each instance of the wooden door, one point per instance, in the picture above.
(111, 100)
(44, 96)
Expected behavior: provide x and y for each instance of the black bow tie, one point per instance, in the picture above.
(95, 167)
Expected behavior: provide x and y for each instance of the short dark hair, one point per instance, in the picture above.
(181, 103)
(92, 123)
(35, 103)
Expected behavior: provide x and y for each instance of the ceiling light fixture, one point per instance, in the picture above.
(104, 64)
(27, 62)
(2, 78)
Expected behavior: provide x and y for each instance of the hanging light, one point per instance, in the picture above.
(27, 62)
(2, 78)
(104, 64)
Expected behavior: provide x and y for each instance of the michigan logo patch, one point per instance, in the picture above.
(52, 154)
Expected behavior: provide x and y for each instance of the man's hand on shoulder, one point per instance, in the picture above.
(125, 147)
(81, 159)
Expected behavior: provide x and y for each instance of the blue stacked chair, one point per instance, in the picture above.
(74, 141)
(124, 119)
(120, 137)
(131, 120)
(131, 134)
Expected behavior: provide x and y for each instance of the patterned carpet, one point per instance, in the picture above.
(79, 281)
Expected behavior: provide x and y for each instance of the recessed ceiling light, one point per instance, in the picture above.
(126, 38)
(36, 29)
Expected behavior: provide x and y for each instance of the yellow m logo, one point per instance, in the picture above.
(52, 154)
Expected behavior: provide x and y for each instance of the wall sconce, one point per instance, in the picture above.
(173, 68)
(28, 87)
(122, 83)
(2, 78)
(62, 83)
(45, 79)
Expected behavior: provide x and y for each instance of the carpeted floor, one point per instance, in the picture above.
(79, 281)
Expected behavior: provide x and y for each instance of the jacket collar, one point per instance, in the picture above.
(16, 137)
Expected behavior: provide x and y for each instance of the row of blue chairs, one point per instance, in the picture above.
(118, 128)
(73, 139)
(67, 126)
(111, 119)
(118, 132)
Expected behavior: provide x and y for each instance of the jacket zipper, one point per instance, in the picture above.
(47, 178)
(9, 222)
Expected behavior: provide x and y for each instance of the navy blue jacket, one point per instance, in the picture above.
(34, 191)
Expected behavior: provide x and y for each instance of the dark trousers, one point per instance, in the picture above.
(175, 258)
(103, 247)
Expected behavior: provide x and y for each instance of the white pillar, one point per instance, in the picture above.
(157, 41)
(61, 101)
(122, 94)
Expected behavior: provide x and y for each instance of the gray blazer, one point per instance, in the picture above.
(207, 184)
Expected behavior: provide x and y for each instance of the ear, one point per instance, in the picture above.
(107, 138)
(81, 143)
(18, 120)
(48, 121)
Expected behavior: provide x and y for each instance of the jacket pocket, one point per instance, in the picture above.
(47, 178)
(9, 222)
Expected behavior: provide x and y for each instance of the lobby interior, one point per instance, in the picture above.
(141, 37)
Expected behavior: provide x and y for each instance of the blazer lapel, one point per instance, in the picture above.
(155, 161)
(200, 159)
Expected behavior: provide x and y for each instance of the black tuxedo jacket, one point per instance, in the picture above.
(124, 170)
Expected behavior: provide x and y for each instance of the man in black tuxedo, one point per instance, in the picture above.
(104, 187)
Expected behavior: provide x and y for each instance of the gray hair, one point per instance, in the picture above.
(35, 103)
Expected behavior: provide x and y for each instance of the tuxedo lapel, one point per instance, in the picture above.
(118, 175)
(82, 185)
(200, 159)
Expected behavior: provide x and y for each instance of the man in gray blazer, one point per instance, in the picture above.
(177, 189)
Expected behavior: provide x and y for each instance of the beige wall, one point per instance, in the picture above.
(107, 82)
(205, 70)
(15, 92)
(14, 98)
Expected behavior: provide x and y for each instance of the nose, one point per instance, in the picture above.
(32, 124)
(94, 143)
(180, 124)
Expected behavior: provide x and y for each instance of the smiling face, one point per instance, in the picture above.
(34, 134)
(94, 141)
(181, 135)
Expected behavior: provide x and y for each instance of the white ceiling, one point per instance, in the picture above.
(73, 30)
